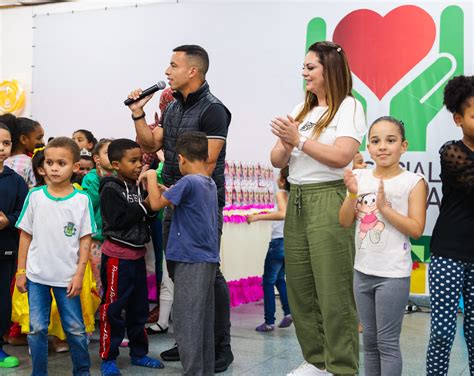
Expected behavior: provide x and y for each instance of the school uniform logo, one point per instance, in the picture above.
(70, 229)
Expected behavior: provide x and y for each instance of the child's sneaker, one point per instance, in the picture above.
(146, 361)
(286, 322)
(109, 368)
(265, 328)
(7, 361)
(124, 342)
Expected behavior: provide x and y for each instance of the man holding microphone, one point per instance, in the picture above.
(194, 109)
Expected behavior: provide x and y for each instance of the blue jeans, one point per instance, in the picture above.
(70, 311)
(274, 275)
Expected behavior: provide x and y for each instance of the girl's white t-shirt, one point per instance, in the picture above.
(56, 226)
(382, 250)
(349, 121)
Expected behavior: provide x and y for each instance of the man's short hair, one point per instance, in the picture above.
(66, 143)
(118, 147)
(197, 54)
(193, 146)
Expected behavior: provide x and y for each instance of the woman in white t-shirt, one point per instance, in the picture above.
(319, 139)
(389, 204)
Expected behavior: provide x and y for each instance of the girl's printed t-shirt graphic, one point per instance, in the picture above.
(370, 224)
(376, 239)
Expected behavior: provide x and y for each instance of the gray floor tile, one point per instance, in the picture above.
(259, 354)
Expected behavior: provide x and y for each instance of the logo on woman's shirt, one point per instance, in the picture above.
(307, 126)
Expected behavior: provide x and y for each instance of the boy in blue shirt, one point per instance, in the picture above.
(192, 251)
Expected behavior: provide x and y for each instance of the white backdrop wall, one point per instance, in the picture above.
(16, 37)
(86, 62)
(16, 54)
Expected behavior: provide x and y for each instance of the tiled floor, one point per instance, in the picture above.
(255, 353)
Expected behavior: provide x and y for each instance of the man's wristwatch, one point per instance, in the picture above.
(302, 142)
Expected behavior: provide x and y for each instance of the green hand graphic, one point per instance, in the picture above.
(419, 102)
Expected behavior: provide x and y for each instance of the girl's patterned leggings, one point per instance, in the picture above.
(448, 279)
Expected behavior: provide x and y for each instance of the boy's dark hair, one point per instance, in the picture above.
(98, 147)
(66, 143)
(37, 161)
(390, 119)
(457, 93)
(193, 146)
(4, 126)
(118, 147)
(284, 173)
(89, 136)
(198, 54)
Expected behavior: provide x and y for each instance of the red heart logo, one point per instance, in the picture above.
(381, 50)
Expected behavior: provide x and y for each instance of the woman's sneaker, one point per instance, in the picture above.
(307, 369)
(286, 322)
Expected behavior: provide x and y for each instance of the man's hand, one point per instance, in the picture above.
(137, 107)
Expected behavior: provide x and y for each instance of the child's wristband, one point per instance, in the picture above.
(351, 195)
(21, 272)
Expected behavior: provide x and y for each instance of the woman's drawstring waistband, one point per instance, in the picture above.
(298, 199)
(301, 190)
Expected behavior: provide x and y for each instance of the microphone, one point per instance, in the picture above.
(160, 85)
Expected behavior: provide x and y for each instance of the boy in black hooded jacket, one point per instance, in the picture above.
(125, 217)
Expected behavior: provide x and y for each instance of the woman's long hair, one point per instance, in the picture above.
(337, 83)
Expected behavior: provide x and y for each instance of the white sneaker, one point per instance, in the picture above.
(307, 369)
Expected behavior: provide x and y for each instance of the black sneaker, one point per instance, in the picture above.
(171, 355)
(223, 361)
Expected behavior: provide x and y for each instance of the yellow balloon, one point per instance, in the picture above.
(12, 97)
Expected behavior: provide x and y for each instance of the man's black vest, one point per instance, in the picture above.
(180, 117)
